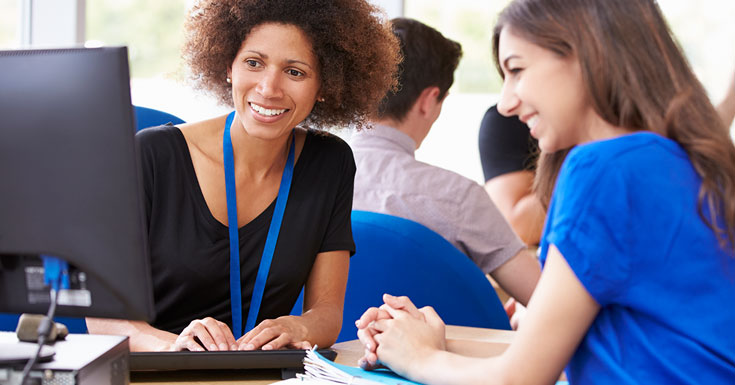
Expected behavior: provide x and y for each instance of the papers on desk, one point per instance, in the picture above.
(323, 371)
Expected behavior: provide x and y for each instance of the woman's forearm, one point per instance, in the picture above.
(443, 367)
(323, 323)
(324, 296)
(527, 219)
(143, 336)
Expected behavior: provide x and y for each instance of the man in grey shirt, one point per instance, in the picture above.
(390, 180)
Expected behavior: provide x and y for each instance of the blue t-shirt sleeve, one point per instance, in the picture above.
(588, 221)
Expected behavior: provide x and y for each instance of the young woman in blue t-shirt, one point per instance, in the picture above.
(638, 248)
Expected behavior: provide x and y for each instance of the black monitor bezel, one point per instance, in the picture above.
(72, 186)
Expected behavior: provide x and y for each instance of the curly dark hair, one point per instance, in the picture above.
(357, 52)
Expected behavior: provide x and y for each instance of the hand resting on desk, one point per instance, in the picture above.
(398, 319)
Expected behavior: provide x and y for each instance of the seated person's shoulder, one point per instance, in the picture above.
(626, 151)
(505, 145)
(156, 132)
(324, 141)
(157, 136)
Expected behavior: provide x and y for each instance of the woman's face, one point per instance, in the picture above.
(545, 91)
(275, 80)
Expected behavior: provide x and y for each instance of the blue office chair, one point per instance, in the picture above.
(9, 321)
(401, 257)
(149, 117)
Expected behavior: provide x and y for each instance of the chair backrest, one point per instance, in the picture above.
(9, 322)
(149, 117)
(402, 257)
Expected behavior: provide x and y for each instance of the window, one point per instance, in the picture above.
(153, 33)
(706, 33)
(703, 28)
(9, 24)
(452, 143)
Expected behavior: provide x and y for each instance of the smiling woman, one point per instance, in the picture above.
(235, 255)
(641, 219)
(355, 60)
(275, 80)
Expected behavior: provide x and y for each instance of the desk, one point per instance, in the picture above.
(487, 342)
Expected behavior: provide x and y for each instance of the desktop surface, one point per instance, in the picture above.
(348, 353)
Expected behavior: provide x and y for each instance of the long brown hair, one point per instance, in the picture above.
(636, 77)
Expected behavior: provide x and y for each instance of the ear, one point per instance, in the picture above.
(427, 101)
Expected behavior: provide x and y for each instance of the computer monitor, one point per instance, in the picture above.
(70, 185)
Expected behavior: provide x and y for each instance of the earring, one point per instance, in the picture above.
(229, 80)
(320, 99)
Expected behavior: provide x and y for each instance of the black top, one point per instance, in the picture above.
(506, 145)
(190, 251)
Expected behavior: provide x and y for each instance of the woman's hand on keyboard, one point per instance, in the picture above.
(272, 334)
(206, 334)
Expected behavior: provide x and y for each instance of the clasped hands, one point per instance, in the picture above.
(211, 334)
(397, 334)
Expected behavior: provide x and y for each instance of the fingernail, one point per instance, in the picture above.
(212, 347)
(369, 347)
(249, 347)
(233, 347)
(267, 347)
(357, 323)
(223, 346)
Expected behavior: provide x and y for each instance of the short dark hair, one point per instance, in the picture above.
(358, 55)
(429, 59)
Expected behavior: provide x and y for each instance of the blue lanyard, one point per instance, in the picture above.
(270, 241)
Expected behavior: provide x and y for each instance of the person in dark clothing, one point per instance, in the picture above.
(508, 154)
(246, 209)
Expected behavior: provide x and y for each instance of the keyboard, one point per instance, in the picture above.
(223, 360)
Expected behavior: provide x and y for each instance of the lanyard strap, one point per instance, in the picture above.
(270, 241)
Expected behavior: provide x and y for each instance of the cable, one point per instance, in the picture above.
(44, 328)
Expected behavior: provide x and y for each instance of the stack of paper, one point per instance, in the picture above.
(325, 371)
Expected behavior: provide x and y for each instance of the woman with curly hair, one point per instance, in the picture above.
(246, 209)
(639, 243)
